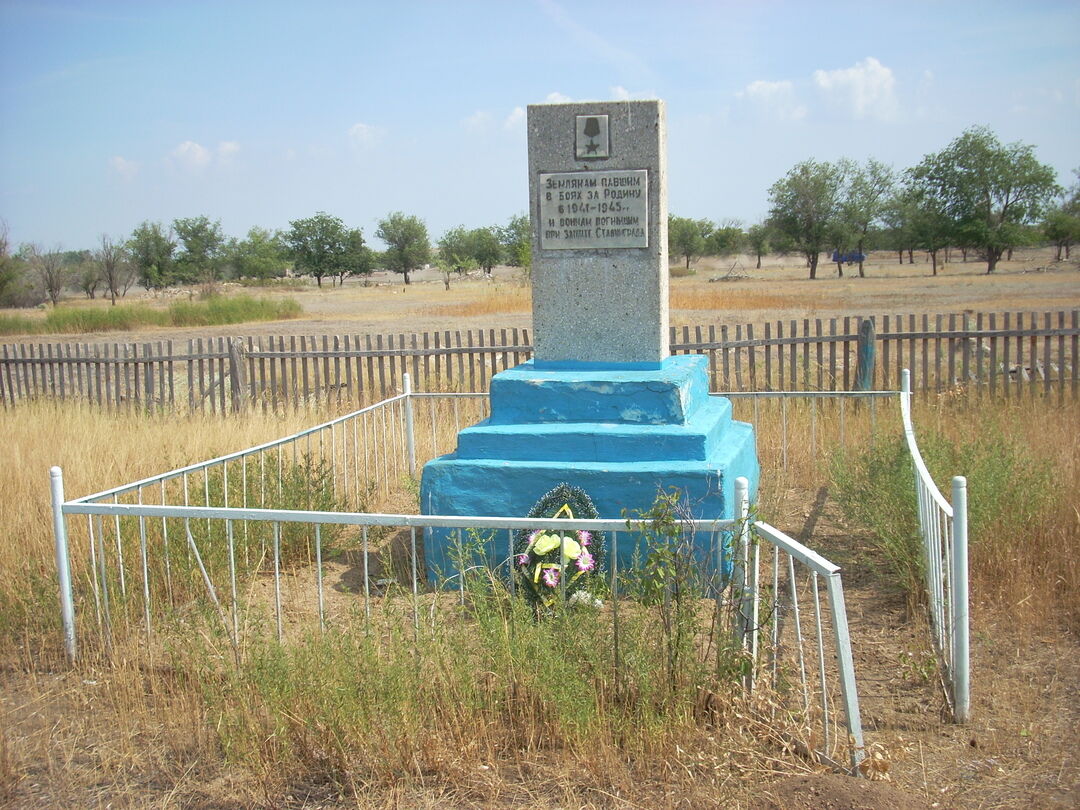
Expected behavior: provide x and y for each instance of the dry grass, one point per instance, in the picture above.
(129, 735)
(727, 298)
(1029, 573)
(490, 301)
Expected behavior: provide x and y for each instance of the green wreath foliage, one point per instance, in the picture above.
(543, 559)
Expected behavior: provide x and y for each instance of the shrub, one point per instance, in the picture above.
(1009, 492)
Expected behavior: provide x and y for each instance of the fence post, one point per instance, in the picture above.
(846, 670)
(237, 374)
(960, 618)
(410, 435)
(864, 356)
(740, 564)
(63, 564)
(748, 607)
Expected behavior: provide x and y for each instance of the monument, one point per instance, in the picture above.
(602, 405)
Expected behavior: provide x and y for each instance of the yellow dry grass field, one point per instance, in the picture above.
(718, 291)
(121, 732)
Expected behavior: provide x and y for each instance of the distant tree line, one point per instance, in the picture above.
(977, 196)
(195, 250)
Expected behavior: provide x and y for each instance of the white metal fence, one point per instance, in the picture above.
(248, 541)
(943, 530)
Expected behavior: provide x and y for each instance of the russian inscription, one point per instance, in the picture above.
(594, 210)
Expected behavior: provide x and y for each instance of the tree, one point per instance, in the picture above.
(318, 245)
(114, 267)
(358, 259)
(804, 207)
(688, 237)
(203, 249)
(990, 191)
(259, 255)
(152, 250)
(50, 269)
(10, 277)
(725, 239)
(867, 195)
(516, 240)
(757, 237)
(1062, 223)
(407, 246)
(484, 247)
(88, 278)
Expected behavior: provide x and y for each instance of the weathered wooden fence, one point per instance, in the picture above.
(997, 354)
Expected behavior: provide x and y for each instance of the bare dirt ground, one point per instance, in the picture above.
(720, 291)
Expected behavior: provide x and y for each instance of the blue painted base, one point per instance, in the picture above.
(622, 436)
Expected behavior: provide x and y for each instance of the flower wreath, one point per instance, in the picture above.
(544, 558)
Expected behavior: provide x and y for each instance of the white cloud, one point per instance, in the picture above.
(778, 99)
(226, 150)
(364, 134)
(620, 93)
(865, 90)
(126, 169)
(557, 98)
(191, 156)
(479, 121)
(515, 119)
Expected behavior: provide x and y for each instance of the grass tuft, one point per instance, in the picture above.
(213, 311)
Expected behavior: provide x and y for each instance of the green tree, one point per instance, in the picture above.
(152, 251)
(898, 218)
(317, 245)
(926, 223)
(757, 238)
(805, 208)
(688, 237)
(202, 251)
(990, 191)
(516, 240)
(407, 245)
(359, 260)
(725, 240)
(484, 247)
(260, 255)
(869, 189)
(1062, 223)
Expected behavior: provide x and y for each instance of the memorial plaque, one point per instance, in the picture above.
(594, 210)
(598, 213)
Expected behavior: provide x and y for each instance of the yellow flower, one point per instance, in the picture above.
(546, 542)
(571, 549)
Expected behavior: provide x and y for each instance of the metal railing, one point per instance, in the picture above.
(253, 535)
(943, 530)
(793, 652)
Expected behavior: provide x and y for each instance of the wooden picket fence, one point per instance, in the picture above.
(1008, 354)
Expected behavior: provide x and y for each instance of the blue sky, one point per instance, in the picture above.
(112, 113)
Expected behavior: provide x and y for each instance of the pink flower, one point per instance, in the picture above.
(585, 561)
(551, 577)
(585, 538)
(523, 559)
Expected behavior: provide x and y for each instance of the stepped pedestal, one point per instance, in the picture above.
(620, 435)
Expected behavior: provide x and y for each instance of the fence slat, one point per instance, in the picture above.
(309, 368)
(768, 358)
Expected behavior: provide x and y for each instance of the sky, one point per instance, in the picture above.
(256, 114)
